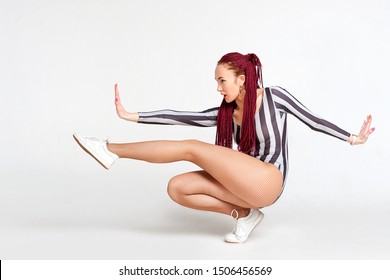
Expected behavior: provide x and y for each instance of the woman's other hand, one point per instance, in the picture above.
(364, 133)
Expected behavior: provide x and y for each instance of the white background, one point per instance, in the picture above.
(59, 61)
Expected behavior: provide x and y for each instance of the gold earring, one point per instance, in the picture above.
(242, 90)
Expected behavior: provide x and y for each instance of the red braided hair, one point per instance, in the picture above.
(250, 66)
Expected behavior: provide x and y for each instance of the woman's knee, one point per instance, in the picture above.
(175, 188)
(193, 149)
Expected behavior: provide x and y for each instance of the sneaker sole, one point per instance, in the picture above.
(91, 153)
(257, 222)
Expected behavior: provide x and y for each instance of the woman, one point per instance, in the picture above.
(231, 182)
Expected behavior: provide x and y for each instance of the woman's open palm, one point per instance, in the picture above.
(365, 131)
(120, 110)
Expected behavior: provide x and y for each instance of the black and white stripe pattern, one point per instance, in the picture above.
(270, 123)
(170, 117)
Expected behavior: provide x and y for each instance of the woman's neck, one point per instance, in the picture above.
(239, 106)
(240, 101)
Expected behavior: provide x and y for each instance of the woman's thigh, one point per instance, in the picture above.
(247, 178)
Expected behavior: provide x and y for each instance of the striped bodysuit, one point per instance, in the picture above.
(270, 121)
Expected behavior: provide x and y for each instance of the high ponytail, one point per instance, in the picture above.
(250, 66)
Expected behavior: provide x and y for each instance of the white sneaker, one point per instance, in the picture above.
(244, 226)
(97, 149)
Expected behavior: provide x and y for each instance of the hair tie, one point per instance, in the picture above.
(257, 65)
(254, 59)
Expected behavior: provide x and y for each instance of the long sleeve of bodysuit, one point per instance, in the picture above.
(204, 118)
(285, 102)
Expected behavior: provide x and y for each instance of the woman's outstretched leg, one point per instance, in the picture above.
(253, 181)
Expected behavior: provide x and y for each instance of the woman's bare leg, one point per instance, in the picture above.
(198, 190)
(253, 181)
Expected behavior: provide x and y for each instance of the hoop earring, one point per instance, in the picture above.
(241, 90)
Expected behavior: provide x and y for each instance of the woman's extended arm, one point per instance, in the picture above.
(204, 118)
(289, 104)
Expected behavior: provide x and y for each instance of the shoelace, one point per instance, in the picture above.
(238, 229)
(234, 211)
(232, 214)
(96, 139)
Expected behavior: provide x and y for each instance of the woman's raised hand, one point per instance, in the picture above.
(365, 131)
(120, 110)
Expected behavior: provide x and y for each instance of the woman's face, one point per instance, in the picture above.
(228, 83)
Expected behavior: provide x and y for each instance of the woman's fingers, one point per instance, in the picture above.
(366, 129)
(369, 119)
(120, 110)
(365, 126)
(116, 94)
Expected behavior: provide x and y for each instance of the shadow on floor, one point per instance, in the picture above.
(173, 222)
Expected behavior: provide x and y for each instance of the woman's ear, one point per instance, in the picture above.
(241, 80)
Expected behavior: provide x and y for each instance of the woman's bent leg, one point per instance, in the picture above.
(251, 180)
(198, 190)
